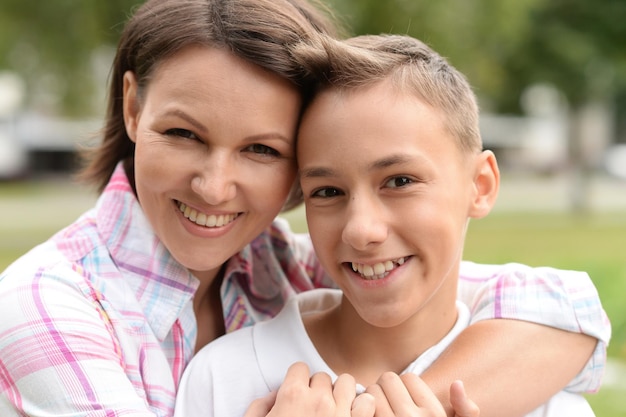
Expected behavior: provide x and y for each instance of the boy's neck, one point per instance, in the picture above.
(348, 344)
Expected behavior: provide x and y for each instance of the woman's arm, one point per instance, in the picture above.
(509, 367)
(512, 365)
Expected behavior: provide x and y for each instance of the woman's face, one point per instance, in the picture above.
(214, 157)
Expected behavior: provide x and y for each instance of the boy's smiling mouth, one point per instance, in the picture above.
(206, 220)
(378, 270)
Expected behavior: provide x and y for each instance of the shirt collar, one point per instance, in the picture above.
(162, 286)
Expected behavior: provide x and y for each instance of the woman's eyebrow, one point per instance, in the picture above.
(203, 129)
(188, 118)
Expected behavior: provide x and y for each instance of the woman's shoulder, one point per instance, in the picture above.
(60, 264)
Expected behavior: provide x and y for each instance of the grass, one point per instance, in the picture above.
(608, 402)
(594, 243)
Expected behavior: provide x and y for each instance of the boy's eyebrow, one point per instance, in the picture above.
(317, 172)
(396, 159)
(390, 160)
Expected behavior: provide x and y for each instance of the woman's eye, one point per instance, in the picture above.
(327, 192)
(182, 133)
(262, 149)
(397, 182)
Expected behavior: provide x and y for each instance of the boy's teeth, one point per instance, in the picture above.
(202, 219)
(378, 270)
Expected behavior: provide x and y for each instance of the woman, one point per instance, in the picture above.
(197, 160)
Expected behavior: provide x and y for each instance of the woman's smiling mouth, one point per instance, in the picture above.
(206, 220)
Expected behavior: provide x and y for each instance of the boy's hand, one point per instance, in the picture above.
(393, 396)
(409, 396)
(316, 396)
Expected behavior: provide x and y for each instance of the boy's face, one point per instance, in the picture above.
(388, 196)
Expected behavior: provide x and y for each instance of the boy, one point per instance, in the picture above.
(392, 170)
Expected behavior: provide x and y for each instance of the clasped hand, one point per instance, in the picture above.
(303, 395)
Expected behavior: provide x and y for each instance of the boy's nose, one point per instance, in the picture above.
(364, 226)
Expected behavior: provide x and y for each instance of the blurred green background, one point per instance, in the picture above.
(550, 76)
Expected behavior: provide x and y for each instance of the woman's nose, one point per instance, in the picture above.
(216, 181)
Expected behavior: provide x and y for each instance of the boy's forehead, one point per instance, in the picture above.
(380, 109)
(379, 90)
(381, 94)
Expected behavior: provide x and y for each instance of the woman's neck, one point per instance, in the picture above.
(207, 306)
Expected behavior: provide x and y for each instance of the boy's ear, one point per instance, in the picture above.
(131, 105)
(486, 184)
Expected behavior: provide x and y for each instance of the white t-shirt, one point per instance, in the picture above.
(229, 373)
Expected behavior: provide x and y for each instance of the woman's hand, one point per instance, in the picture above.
(409, 396)
(463, 406)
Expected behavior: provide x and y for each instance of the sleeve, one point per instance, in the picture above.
(57, 353)
(299, 250)
(566, 300)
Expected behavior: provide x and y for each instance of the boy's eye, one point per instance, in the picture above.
(183, 133)
(262, 149)
(327, 192)
(397, 182)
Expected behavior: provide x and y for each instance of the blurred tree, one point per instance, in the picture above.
(504, 46)
(475, 35)
(501, 45)
(577, 45)
(580, 47)
(51, 44)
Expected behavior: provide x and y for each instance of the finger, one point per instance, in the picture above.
(300, 395)
(421, 394)
(462, 405)
(297, 373)
(321, 401)
(408, 395)
(261, 406)
(321, 380)
(364, 405)
(344, 392)
(295, 385)
(381, 405)
(397, 394)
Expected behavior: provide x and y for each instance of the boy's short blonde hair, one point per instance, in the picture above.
(408, 63)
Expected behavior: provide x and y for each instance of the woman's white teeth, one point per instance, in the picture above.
(202, 219)
(378, 270)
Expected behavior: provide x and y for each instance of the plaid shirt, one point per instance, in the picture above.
(99, 321)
